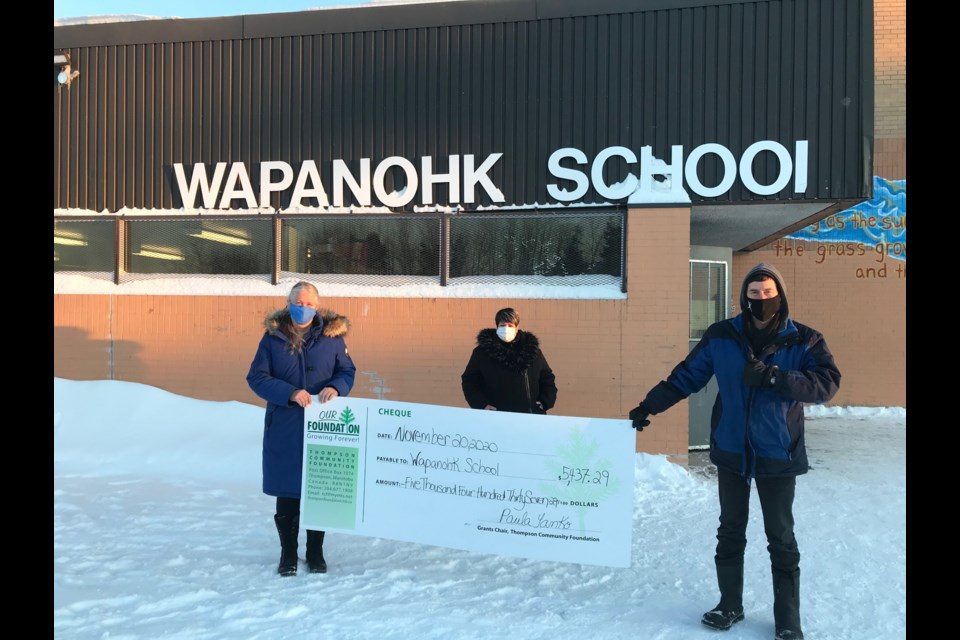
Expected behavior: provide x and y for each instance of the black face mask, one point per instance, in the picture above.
(763, 310)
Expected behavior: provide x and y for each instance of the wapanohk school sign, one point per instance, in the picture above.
(572, 173)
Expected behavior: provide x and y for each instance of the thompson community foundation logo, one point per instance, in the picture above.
(343, 423)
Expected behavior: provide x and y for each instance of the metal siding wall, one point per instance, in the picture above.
(729, 73)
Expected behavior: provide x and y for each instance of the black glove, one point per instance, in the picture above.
(639, 416)
(757, 374)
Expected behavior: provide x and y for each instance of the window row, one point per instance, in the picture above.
(446, 246)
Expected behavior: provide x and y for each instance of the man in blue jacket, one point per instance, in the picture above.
(766, 366)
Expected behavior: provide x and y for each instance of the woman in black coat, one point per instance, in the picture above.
(507, 370)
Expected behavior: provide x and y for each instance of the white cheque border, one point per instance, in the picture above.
(554, 488)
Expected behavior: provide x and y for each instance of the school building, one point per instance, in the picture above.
(610, 169)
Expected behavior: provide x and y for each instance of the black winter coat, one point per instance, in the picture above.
(511, 376)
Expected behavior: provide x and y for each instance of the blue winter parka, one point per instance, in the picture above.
(754, 431)
(277, 371)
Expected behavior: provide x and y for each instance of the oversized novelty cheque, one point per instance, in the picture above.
(541, 487)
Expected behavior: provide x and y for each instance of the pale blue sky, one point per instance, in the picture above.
(187, 8)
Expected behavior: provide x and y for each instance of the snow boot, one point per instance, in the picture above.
(786, 604)
(729, 610)
(315, 552)
(289, 529)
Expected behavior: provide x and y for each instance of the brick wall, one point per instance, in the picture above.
(605, 353)
(657, 318)
(84, 348)
(890, 89)
(858, 303)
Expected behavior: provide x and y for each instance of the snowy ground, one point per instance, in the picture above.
(161, 531)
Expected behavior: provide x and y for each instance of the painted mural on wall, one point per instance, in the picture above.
(877, 227)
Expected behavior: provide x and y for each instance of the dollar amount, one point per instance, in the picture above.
(581, 475)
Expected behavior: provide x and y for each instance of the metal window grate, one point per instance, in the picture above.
(85, 246)
(362, 249)
(540, 248)
(560, 248)
(224, 247)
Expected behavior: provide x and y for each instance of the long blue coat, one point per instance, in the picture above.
(276, 372)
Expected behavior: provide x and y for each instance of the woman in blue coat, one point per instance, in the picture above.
(302, 354)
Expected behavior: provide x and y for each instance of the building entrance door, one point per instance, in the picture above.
(708, 304)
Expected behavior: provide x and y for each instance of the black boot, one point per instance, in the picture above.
(786, 604)
(315, 552)
(729, 610)
(289, 529)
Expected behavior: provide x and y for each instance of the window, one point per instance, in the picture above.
(586, 246)
(539, 247)
(86, 246)
(216, 246)
(395, 245)
(708, 295)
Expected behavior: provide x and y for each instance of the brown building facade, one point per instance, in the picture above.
(606, 350)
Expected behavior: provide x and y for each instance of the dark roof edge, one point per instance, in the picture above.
(147, 32)
(354, 19)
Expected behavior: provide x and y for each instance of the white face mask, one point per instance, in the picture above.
(507, 334)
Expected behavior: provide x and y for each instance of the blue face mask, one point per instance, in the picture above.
(301, 314)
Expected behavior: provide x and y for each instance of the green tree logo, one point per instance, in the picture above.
(579, 452)
(346, 416)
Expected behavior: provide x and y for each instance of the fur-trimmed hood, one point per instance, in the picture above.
(517, 355)
(334, 325)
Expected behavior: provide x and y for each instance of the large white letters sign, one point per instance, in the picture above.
(554, 488)
(656, 180)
